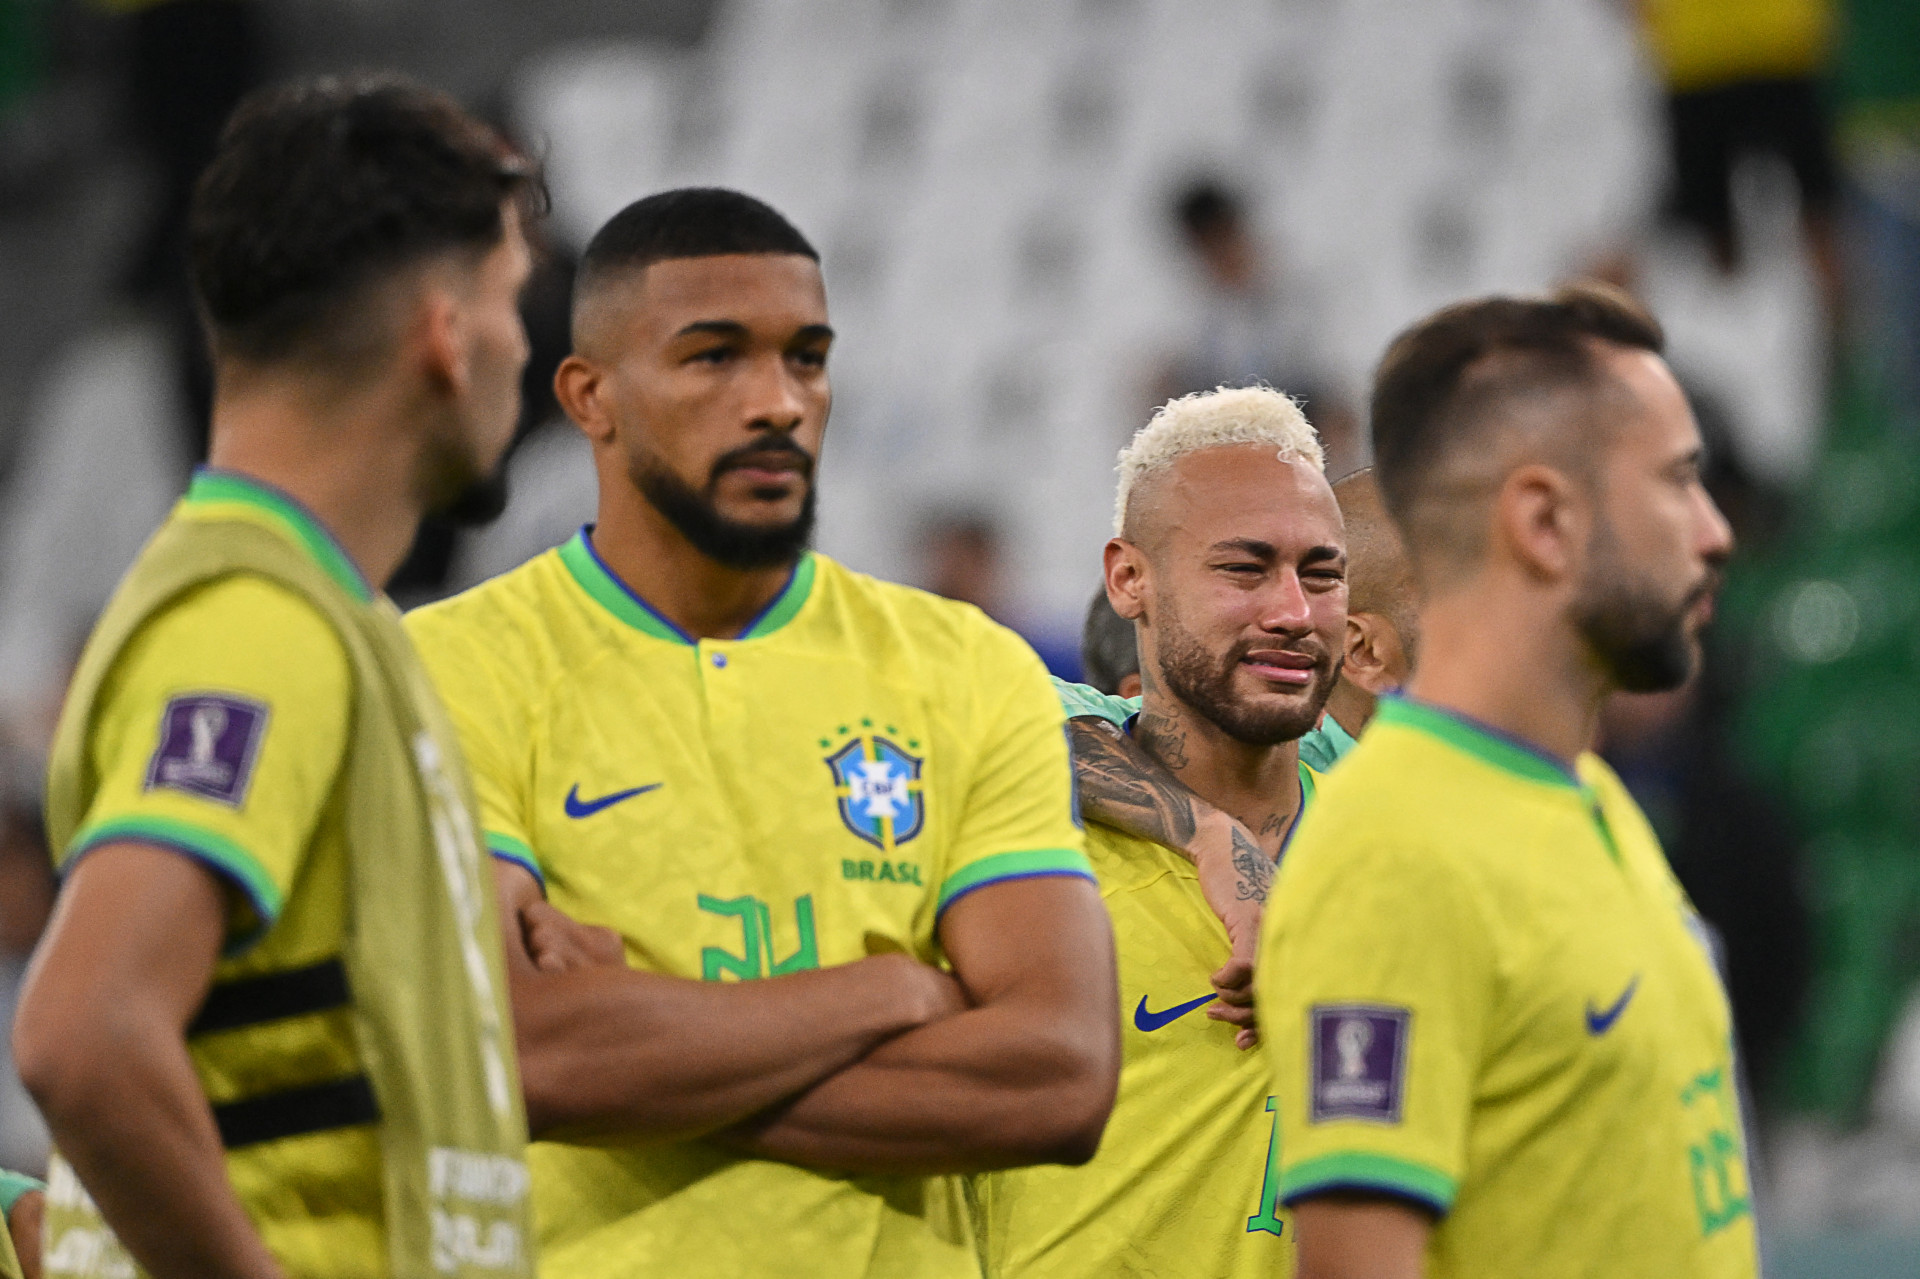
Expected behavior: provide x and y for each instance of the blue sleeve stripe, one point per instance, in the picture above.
(1369, 1173)
(216, 852)
(1039, 863)
(509, 849)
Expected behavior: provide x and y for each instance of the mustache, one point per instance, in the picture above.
(1307, 646)
(776, 452)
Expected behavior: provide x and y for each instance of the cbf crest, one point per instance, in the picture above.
(878, 783)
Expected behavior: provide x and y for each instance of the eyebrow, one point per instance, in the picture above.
(1265, 550)
(735, 329)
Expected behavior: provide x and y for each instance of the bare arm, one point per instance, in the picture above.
(100, 1042)
(23, 1223)
(1360, 1237)
(1124, 787)
(1025, 1076)
(613, 1054)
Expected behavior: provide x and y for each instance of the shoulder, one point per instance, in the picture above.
(919, 626)
(243, 627)
(506, 623)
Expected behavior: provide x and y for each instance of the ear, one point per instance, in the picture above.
(1375, 658)
(440, 334)
(1543, 519)
(580, 387)
(1126, 572)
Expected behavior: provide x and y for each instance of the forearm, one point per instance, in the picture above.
(127, 1111)
(23, 1223)
(994, 1087)
(611, 1054)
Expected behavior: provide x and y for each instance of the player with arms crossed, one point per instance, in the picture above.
(1229, 557)
(791, 790)
(1498, 1041)
(268, 1024)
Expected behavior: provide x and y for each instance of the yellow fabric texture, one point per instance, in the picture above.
(1180, 1185)
(9, 1258)
(1702, 44)
(317, 1198)
(734, 850)
(1565, 1093)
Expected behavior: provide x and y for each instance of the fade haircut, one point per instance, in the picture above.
(323, 187)
(1448, 386)
(1209, 420)
(692, 222)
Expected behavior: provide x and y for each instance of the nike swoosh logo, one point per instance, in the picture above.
(1147, 1020)
(577, 807)
(1599, 1023)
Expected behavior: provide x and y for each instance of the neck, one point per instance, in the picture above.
(335, 454)
(704, 599)
(1258, 785)
(1511, 662)
(1351, 706)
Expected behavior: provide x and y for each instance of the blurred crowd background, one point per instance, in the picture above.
(1039, 218)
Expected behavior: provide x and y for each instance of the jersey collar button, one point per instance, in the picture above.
(720, 661)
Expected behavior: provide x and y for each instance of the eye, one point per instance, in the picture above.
(811, 359)
(715, 355)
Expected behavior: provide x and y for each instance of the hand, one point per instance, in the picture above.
(931, 993)
(559, 943)
(24, 1224)
(1233, 1001)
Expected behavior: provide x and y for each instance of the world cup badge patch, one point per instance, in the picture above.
(208, 743)
(1359, 1061)
(878, 785)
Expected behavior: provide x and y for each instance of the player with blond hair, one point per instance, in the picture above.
(1228, 556)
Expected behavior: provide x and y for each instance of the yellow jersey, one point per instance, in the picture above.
(1184, 1183)
(1483, 992)
(220, 734)
(815, 791)
(1703, 44)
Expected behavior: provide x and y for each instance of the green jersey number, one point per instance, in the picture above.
(1718, 1164)
(1268, 1218)
(756, 928)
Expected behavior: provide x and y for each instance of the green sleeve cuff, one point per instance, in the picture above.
(1080, 701)
(213, 850)
(517, 851)
(1000, 867)
(12, 1186)
(1368, 1172)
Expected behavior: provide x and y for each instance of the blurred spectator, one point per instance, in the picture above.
(1251, 329)
(1109, 650)
(960, 557)
(1742, 78)
(1879, 93)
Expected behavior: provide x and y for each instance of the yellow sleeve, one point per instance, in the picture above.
(492, 725)
(1020, 820)
(220, 734)
(1376, 977)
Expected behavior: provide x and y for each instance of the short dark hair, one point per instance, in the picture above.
(692, 222)
(1443, 380)
(1109, 649)
(321, 186)
(1205, 206)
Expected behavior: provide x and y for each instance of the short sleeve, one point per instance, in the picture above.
(220, 733)
(1083, 701)
(1019, 820)
(1375, 985)
(491, 726)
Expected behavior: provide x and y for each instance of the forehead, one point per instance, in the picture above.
(770, 290)
(1244, 491)
(1657, 424)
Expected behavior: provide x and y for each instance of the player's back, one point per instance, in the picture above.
(1488, 996)
(811, 793)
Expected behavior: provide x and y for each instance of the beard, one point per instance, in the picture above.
(458, 490)
(1205, 682)
(1638, 634)
(730, 543)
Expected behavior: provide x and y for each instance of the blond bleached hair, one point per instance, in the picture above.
(1227, 415)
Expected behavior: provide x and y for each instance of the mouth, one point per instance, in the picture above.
(1282, 666)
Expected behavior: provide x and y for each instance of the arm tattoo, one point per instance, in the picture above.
(1254, 867)
(1124, 787)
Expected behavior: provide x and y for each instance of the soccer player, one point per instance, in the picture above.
(1228, 556)
(1498, 1043)
(793, 791)
(268, 1024)
(23, 1201)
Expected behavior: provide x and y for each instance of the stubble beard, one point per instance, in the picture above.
(729, 543)
(1204, 682)
(1637, 635)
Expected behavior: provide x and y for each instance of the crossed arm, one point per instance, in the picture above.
(881, 1065)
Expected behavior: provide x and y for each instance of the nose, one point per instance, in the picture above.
(1716, 535)
(1287, 610)
(774, 398)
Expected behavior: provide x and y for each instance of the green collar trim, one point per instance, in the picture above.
(585, 566)
(1485, 743)
(215, 488)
